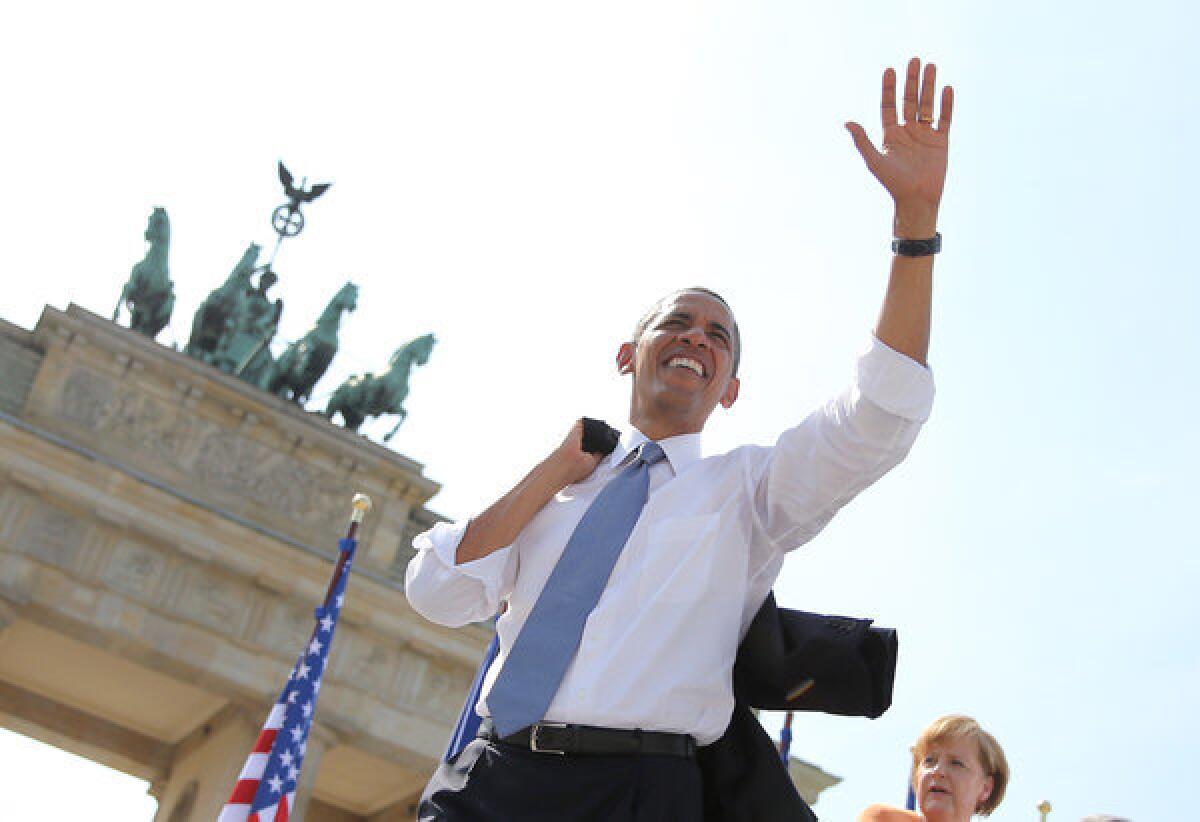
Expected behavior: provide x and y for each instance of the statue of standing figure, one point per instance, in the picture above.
(149, 296)
(370, 396)
(217, 316)
(304, 362)
(245, 351)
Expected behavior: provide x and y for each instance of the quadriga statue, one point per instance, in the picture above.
(303, 363)
(367, 395)
(149, 296)
(216, 317)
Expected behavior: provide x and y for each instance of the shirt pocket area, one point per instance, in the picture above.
(680, 560)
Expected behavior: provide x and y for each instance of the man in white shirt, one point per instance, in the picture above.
(651, 676)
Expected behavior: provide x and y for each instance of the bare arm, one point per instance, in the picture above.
(912, 167)
(500, 524)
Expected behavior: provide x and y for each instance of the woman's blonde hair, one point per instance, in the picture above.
(956, 726)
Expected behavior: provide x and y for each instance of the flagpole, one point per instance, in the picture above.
(361, 506)
(267, 785)
(785, 739)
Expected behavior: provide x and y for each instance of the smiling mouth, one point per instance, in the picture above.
(687, 362)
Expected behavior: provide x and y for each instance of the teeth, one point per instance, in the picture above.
(684, 362)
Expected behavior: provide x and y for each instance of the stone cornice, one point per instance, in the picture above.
(198, 383)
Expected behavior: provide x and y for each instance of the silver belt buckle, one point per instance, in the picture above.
(535, 737)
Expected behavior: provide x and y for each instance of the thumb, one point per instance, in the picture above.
(863, 143)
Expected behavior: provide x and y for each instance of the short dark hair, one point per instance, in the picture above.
(649, 316)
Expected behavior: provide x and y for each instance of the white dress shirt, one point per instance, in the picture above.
(657, 652)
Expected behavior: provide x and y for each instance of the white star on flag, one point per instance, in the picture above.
(276, 783)
(302, 671)
(340, 599)
(308, 708)
(326, 623)
(314, 647)
(297, 735)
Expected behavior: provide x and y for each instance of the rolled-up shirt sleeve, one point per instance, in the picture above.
(838, 450)
(455, 594)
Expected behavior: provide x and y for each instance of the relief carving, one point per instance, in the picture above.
(135, 569)
(213, 601)
(12, 501)
(131, 419)
(87, 400)
(406, 683)
(365, 664)
(442, 692)
(254, 472)
(233, 464)
(53, 536)
(288, 626)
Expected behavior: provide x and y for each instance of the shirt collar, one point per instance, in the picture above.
(681, 450)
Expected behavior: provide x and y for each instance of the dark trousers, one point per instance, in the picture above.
(496, 782)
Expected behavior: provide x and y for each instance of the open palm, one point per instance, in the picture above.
(912, 163)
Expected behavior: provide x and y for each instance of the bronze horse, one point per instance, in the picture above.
(304, 362)
(369, 396)
(149, 296)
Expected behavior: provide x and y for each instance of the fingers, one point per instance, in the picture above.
(928, 84)
(887, 105)
(863, 143)
(943, 125)
(911, 81)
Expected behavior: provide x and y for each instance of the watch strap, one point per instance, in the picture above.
(918, 248)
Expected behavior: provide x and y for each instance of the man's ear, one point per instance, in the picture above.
(731, 392)
(625, 358)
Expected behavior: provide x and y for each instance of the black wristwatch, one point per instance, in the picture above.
(918, 248)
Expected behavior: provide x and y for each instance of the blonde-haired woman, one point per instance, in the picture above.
(958, 771)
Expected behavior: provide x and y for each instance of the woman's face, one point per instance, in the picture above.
(950, 782)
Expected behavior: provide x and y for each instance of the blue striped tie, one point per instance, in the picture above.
(539, 658)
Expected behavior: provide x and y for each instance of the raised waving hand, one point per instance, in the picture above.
(911, 163)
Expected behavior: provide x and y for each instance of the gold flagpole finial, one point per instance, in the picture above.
(362, 506)
(1044, 809)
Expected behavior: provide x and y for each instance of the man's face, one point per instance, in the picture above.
(950, 780)
(682, 365)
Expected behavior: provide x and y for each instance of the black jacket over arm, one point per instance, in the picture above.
(797, 661)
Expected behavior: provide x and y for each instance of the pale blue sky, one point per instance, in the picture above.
(523, 178)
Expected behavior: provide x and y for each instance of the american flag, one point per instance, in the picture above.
(266, 789)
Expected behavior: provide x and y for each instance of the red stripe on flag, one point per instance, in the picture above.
(266, 740)
(281, 815)
(243, 792)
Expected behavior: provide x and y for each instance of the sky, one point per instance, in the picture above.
(523, 179)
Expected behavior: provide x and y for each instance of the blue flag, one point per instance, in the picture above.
(785, 739)
(467, 727)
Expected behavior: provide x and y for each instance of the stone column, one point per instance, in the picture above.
(205, 767)
(319, 741)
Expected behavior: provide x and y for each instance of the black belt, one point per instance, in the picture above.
(558, 738)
